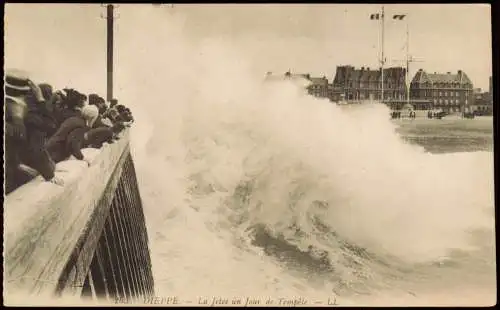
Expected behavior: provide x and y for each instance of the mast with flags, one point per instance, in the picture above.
(381, 18)
(396, 17)
(408, 58)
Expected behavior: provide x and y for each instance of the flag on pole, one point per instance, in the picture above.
(400, 17)
(375, 16)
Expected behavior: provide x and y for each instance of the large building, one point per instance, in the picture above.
(483, 102)
(482, 105)
(318, 87)
(365, 84)
(449, 92)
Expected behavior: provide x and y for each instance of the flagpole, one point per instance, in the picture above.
(382, 61)
(407, 61)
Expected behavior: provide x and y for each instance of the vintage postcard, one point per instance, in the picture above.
(247, 155)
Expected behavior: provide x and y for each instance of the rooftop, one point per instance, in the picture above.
(423, 77)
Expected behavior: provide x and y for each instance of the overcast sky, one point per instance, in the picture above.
(303, 38)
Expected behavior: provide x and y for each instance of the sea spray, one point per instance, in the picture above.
(255, 188)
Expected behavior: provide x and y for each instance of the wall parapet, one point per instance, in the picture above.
(58, 238)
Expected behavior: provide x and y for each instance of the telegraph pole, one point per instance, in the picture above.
(110, 33)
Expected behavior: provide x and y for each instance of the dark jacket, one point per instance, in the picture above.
(14, 137)
(76, 142)
(65, 113)
(39, 126)
(57, 146)
(99, 123)
(15, 112)
(39, 118)
(19, 147)
(97, 136)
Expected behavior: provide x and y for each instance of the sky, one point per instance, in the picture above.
(69, 40)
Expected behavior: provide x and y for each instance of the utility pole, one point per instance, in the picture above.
(110, 20)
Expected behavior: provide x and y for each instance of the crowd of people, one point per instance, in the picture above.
(435, 114)
(397, 115)
(44, 127)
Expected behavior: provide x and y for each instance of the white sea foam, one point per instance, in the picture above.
(207, 126)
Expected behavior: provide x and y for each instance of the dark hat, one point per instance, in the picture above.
(46, 89)
(120, 108)
(75, 96)
(95, 99)
(80, 96)
(17, 83)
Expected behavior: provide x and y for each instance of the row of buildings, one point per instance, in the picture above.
(450, 92)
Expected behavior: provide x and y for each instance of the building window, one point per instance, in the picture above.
(440, 94)
(456, 94)
(456, 101)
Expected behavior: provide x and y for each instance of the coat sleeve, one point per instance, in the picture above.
(15, 131)
(46, 166)
(75, 144)
(40, 121)
(34, 154)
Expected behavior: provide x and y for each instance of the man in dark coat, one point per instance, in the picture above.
(61, 145)
(15, 137)
(81, 138)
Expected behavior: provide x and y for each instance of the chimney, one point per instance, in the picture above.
(362, 68)
(448, 72)
(368, 68)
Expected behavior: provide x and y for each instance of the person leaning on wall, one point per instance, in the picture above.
(61, 145)
(18, 88)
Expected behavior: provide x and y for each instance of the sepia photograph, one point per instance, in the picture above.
(248, 155)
